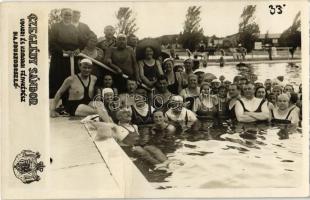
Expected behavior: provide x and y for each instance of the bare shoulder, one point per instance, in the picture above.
(69, 80)
(93, 77)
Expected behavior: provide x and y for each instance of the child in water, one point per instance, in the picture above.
(127, 135)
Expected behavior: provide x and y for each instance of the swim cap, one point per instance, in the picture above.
(177, 98)
(86, 60)
(107, 90)
(215, 81)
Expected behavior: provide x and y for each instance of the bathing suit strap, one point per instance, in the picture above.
(86, 89)
(83, 83)
(186, 118)
(242, 104)
(135, 131)
(272, 113)
(259, 109)
(288, 114)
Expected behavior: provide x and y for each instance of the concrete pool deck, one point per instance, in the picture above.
(90, 169)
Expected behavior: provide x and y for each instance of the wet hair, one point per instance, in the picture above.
(237, 86)
(268, 96)
(204, 84)
(236, 79)
(293, 98)
(242, 78)
(260, 87)
(222, 87)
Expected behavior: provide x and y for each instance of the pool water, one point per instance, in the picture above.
(229, 155)
(292, 73)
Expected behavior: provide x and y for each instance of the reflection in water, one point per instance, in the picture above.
(216, 146)
(222, 154)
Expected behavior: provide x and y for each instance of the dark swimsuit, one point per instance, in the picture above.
(281, 121)
(139, 119)
(150, 72)
(231, 112)
(71, 105)
(163, 140)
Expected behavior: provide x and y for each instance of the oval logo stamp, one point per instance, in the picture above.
(25, 166)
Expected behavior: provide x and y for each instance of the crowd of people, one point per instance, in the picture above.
(129, 93)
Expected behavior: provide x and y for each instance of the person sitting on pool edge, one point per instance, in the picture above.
(128, 137)
(80, 89)
(249, 108)
(282, 113)
(179, 115)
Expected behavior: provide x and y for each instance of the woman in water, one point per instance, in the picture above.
(205, 105)
(141, 110)
(282, 113)
(191, 92)
(260, 92)
(222, 106)
(150, 68)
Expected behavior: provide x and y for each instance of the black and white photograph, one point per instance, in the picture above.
(172, 99)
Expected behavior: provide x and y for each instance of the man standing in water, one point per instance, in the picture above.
(80, 89)
(122, 59)
(249, 108)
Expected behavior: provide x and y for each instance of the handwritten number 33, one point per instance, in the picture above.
(277, 9)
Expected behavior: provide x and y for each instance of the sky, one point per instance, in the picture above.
(220, 18)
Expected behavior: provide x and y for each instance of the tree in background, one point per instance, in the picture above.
(54, 17)
(291, 37)
(192, 32)
(248, 28)
(126, 21)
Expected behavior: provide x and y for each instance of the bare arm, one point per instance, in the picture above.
(64, 87)
(135, 66)
(264, 115)
(108, 61)
(241, 116)
(159, 68)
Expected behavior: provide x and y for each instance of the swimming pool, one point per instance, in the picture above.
(228, 155)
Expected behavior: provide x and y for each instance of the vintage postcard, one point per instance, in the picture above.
(150, 99)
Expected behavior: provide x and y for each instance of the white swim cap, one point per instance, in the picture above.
(86, 60)
(177, 98)
(107, 90)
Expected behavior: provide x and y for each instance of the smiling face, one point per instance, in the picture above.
(66, 16)
(288, 89)
(169, 66)
(282, 102)
(261, 93)
(149, 53)
(107, 81)
(85, 69)
(277, 90)
(205, 89)
(233, 91)
(192, 81)
(222, 92)
(158, 117)
(248, 91)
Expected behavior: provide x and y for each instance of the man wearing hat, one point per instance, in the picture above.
(80, 90)
(123, 60)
